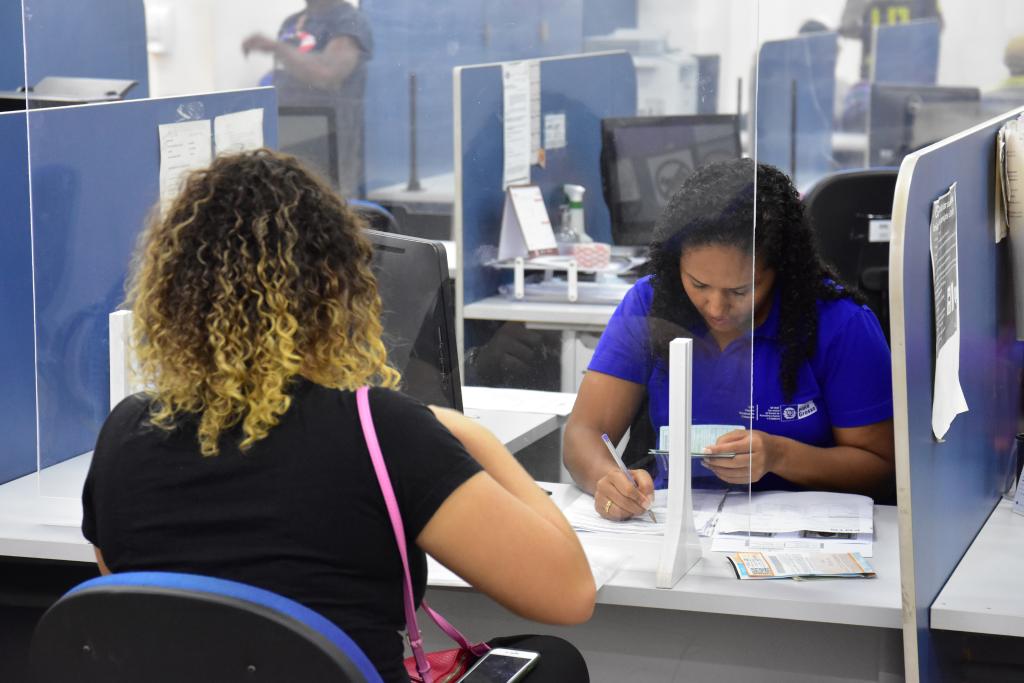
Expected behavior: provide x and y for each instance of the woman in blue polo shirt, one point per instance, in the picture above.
(778, 346)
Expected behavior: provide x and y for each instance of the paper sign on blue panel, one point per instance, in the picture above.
(238, 131)
(517, 137)
(948, 399)
(184, 146)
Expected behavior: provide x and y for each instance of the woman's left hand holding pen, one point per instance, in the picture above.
(616, 498)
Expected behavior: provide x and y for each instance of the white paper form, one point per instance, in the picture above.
(789, 511)
(948, 399)
(604, 564)
(184, 146)
(1010, 174)
(794, 540)
(519, 400)
(583, 517)
(1010, 170)
(239, 131)
(515, 78)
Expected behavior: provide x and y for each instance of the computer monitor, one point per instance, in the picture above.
(904, 118)
(310, 133)
(644, 159)
(418, 315)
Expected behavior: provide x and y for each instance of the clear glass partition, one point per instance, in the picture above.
(845, 90)
(634, 99)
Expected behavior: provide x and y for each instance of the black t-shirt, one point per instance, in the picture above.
(300, 514)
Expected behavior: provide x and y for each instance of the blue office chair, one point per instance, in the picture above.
(376, 216)
(840, 208)
(161, 626)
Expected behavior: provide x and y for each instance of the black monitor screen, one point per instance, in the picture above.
(310, 134)
(644, 160)
(904, 118)
(418, 315)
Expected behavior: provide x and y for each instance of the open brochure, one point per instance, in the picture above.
(771, 565)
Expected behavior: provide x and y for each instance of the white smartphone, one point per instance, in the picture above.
(501, 665)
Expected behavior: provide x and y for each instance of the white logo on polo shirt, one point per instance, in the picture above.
(783, 413)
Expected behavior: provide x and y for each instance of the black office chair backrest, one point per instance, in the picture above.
(159, 626)
(376, 216)
(841, 209)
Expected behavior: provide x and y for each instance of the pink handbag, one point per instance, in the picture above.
(433, 667)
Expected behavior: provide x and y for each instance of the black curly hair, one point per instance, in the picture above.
(715, 206)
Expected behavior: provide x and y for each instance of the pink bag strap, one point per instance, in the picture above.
(412, 627)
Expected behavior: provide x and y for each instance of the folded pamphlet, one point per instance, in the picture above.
(771, 565)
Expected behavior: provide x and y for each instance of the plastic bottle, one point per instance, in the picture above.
(576, 223)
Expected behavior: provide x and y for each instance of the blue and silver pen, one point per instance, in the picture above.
(622, 466)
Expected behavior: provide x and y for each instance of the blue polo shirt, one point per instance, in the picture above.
(846, 383)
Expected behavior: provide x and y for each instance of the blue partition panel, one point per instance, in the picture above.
(17, 355)
(955, 484)
(12, 50)
(95, 174)
(808, 62)
(907, 53)
(430, 39)
(587, 88)
(87, 38)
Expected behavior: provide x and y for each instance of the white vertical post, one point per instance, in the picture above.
(121, 385)
(680, 548)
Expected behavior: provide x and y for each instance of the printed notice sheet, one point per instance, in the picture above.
(515, 78)
(536, 150)
(184, 146)
(554, 131)
(238, 132)
(1010, 175)
(948, 396)
(769, 565)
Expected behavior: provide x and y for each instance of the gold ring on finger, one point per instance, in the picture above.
(608, 506)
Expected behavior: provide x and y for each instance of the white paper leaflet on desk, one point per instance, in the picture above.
(768, 565)
(583, 517)
(796, 521)
(808, 521)
(604, 564)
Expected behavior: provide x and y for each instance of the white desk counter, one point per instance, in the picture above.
(41, 516)
(712, 586)
(436, 190)
(575, 316)
(984, 594)
(712, 626)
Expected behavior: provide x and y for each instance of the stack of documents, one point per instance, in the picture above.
(583, 517)
(769, 565)
(795, 521)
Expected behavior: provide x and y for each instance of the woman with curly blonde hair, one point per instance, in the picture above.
(256, 316)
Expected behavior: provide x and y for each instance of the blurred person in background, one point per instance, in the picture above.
(320, 57)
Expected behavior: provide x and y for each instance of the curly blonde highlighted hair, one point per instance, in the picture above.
(257, 272)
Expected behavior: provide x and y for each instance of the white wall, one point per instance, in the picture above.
(204, 38)
(975, 34)
(974, 38)
(734, 28)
